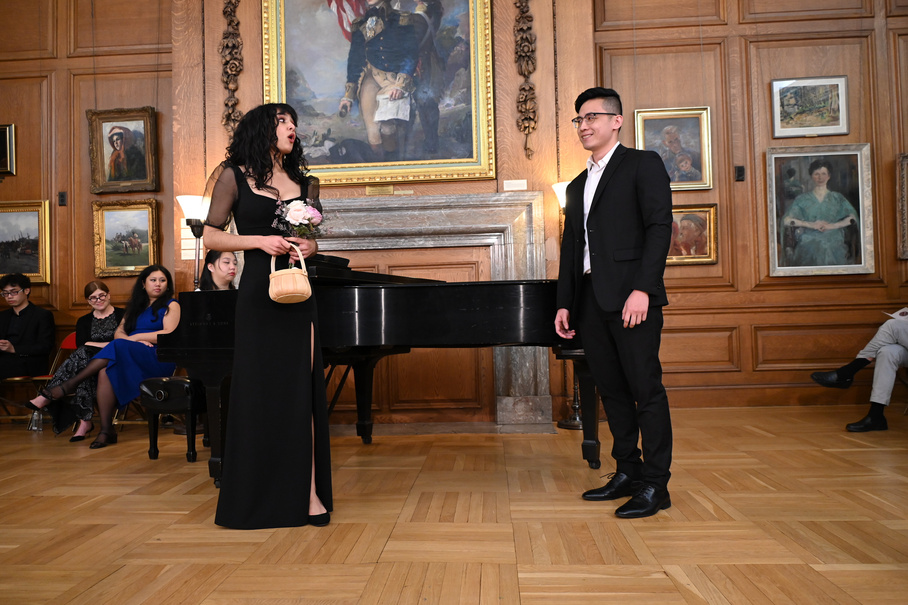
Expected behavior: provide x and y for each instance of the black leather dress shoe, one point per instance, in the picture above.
(648, 501)
(619, 486)
(831, 380)
(868, 424)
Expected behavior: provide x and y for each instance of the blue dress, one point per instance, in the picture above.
(132, 362)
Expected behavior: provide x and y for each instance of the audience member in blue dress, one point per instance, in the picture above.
(93, 331)
(131, 357)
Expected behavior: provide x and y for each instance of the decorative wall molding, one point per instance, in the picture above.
(525, 57)
(231, 50)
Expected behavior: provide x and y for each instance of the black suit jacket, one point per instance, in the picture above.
(34, 345)
(630, 230)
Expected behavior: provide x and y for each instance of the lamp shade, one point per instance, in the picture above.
(561, 192)
(194, 206)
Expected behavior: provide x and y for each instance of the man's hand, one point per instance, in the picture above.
(396, 93)
(345, 106)
(635, 308)
(7, 347)
(562, 325)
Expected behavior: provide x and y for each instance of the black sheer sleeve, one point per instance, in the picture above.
(222, 190)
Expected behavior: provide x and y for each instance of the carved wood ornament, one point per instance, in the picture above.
(231, 49)
(525, 57)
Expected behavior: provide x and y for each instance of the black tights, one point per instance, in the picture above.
(107, 400)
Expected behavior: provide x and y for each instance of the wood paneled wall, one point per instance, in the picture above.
(734, 334)
(59, 58)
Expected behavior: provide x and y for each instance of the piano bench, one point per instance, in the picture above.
(173, 395)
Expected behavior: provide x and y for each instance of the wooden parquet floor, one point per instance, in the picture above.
(770, 506)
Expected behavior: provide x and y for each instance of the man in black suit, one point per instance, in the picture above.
(26, 330)
(617, 232)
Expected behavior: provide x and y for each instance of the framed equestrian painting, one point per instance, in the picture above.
(126, 236)
(25, 239)
(123, 150)
(681, 138)
(820, 210)
(809, 107)
(388, 91)
(693, 235)
(7, 149)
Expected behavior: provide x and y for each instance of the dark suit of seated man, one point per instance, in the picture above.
(26, 330)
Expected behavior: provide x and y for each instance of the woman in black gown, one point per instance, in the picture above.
(276, 466)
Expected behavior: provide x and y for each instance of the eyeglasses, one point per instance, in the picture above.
(590, 118)
(8, 293)
(97, 298)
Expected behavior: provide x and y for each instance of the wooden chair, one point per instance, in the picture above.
(63, 352)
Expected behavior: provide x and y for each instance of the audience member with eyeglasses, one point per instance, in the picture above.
(26, 330)
(93, 331)
(617, 232)
(131, 356)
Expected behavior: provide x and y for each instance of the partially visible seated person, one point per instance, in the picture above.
(889, 347)
(26, 330)
(93, 331)
(219, 271)
(131, 357)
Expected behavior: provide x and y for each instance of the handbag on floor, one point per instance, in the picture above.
(289, 285)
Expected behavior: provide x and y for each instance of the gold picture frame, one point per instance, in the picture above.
(681, 137)
(125, 236)
(122, 146)
(694, 235)
(25, 239)
(310, 73)
(902, 189)
(7, 149)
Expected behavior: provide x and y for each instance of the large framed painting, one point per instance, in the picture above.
(125, 236)
(387, 91)
(25, 239)
(809, 107)
(681, 137)
(123, 150)
(820, 210)
(693, 235)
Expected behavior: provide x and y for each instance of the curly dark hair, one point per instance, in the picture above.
(138, 300)
(254, 141)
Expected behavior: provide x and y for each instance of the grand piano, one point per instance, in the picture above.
(364, 317)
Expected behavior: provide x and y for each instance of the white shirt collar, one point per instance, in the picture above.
(590, 162)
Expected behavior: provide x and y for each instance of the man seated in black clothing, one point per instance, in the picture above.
(26, 330)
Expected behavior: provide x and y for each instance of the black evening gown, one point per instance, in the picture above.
(276, 392)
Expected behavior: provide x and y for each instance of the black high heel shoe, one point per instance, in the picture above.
(77, 438)
(109, 439)
(320, 520)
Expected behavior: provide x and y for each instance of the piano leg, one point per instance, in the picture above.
(589, 413)
(217, 429)
(363, 371)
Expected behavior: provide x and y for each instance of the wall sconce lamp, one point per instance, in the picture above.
(561, 193)
(195, 209)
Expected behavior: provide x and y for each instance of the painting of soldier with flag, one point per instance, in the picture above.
(390, 90)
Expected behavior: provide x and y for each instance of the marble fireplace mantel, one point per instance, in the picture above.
(509, 224)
